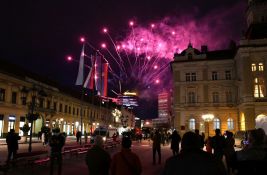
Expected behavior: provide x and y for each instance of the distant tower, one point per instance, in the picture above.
(256, 12)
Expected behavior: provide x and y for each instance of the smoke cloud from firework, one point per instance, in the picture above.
(143, 56)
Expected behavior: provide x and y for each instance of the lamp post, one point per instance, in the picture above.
(207, 118)
(32, 114)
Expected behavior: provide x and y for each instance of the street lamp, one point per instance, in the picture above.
(32, 114)
(207, 118)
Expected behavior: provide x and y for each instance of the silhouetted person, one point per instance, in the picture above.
(56, 143)
(201, 138)
(78, 136)
(229, 150)
(126, 162)
(12, 144)
(192, 160)
(156, 146)
(97, 159)
(218, 144)
(175, 141)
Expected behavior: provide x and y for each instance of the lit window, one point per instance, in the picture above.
(259, 88)
(228, 75)
(216, 123)
(253, 67)
(214, 76)
(261, 68)
(215, 97)
(191, 97)
(230, 123)
(192, 124)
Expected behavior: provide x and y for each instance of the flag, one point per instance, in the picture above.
(79, 80)
(104, 79)
(98, 73)
(89, 82)
(101, 76)
(86, 83)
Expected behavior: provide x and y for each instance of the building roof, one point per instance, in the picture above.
(207, 56)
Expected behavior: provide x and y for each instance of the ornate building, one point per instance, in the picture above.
(229, 85)
(56, 106)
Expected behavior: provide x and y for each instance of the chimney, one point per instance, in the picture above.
(204, 49)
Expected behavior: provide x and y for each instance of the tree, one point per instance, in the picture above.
(25, 129)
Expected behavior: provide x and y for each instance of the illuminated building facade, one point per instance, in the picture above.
(229, 84)
(59, 107)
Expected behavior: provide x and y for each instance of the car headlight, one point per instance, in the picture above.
(104, 138)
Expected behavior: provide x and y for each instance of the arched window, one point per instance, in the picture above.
(192, 124)
(216, 123)
(230, 123)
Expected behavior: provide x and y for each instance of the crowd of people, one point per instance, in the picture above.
(191, 159)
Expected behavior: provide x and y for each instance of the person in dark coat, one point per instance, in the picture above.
(192, 160)
(12, 144)
(201, 138)
(229, 151)
(156, 146)
(56, 142)
(97, 159)
(218, 144)
(78, 136)
(175, 141)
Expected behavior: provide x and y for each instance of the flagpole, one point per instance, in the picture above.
(82, 115)
(80, 81)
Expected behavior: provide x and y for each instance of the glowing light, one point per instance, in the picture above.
(129, 93)
(152, 25)
(103, 45)
(173, 32)
(156, 66)
(69, 58)
(148, 57)
(157, 81)
(118, 47)
(207, 117)
(105, 30)
(147, 123)
(131, 23)
(123, 46)
(82, 39)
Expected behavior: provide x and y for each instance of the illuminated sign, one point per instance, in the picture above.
(128, 99)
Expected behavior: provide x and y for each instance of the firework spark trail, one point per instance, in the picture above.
(116, 47)
(121, 66)
(156, 74)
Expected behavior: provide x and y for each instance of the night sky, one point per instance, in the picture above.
(38, 35)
